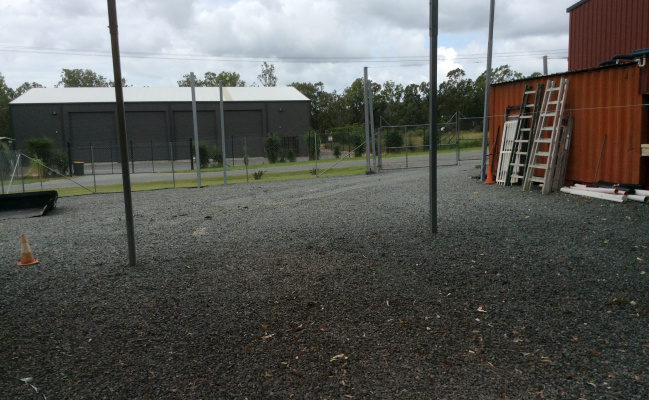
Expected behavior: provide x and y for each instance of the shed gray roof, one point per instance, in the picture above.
(150, 95)
(572, 7)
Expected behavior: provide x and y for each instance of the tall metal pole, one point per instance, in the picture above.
(371, 107)
(432, 115)
(121, 126)
(545, 65)
(225, 170)
(367, 123)
(196, 144)
(485, 127)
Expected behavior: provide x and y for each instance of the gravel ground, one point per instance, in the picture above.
(330, 289)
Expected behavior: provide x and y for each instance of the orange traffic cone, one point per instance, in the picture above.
(26, 256)
(489, 180)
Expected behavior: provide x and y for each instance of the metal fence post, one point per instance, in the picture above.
(405, 134)
(191, 155)
(69, 158)
(173, 172)
(132, 159)
(152, 165)
(92, 165)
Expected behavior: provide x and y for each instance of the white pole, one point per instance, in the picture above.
(196, 146)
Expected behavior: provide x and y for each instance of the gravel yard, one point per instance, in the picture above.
(329, 289)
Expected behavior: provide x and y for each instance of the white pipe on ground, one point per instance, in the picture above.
(595, 189)
(638, 198)
(595, 195)
(642, 192)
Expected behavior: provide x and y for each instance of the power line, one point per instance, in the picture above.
(410, 60)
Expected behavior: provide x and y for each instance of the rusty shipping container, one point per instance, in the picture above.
(610, 110)
(600, 29)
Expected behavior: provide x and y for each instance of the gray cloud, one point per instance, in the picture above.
(242, 33)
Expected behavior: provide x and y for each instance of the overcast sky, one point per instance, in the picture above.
(307, 40)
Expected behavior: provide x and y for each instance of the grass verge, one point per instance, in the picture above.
(269, 176)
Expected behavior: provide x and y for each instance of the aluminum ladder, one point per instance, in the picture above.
(528, 118)
(543, 154)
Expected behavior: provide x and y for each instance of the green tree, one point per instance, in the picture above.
(6, 95)
(24, 88)
(230, 79)
(354, 102)
(267, 78)
(314, 92)
(457, 93)
(82, 78)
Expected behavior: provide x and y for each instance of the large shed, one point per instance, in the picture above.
(601, 29)
(611, 121)
(76, 118)
(608, 94)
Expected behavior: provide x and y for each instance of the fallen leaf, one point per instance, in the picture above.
(337, 357)
(639, 258)
(268, 336)
(268, 374)
(480, 309)
(296, 372)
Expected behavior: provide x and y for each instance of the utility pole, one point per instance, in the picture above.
(485, 127)
(196, 144)
(121, 127)
(367, 123)
(432, 115)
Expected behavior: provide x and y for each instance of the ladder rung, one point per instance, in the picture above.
(543, 140)
(537, 179)
(539, 166)
(542, 153)
(548, 128)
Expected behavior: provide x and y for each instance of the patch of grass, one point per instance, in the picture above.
(211, 181)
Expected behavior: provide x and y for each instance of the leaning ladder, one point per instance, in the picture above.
(528, 117)
(544, 149)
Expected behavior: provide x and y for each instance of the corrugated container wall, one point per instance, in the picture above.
(600, 29)
(608, 112)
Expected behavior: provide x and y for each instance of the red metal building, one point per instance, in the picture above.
(600, 29)
(609, 104)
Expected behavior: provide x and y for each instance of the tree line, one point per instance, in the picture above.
(394, 103)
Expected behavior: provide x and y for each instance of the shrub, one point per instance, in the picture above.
(41, 148)
(217, 155)
(61, 162)
(258, 174)
(204, 155)
(393, 140)
(289, 155)
(313, 171)
(272, 146)
(357, 140)
(337, 151)
(310, 138)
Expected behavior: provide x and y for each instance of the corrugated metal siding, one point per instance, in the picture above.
(603, 102)
(600, 29)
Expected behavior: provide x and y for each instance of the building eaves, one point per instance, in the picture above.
(572, 7)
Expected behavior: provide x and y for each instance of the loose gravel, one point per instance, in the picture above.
(329, 289)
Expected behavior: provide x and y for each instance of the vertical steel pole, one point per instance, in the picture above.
(121, 122)
(545, 65)
(487, 89)
(367, 124)
(371, 95)
(225, 172)
(196, 144)
(432, 114)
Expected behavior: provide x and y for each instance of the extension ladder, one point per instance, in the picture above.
(528, 117)
(544, 148)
